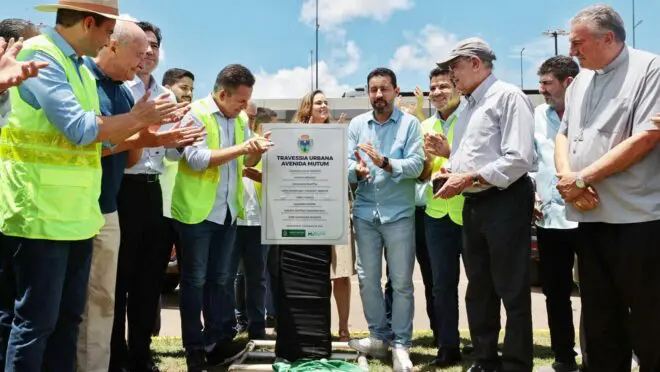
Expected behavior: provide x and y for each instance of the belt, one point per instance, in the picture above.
(495, 190)
(147, 178)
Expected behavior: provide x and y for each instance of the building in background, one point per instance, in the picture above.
(354, 103)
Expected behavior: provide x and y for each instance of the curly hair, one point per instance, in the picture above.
(561, 67)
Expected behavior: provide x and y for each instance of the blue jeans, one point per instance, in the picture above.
(51, 289)
(445, 243)
(398, 238)
(251, 298)
(422, 255)
(270, 302)
(208, 269)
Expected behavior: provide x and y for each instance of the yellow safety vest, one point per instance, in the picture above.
(49, 187)
(194, 191)
(438, 208)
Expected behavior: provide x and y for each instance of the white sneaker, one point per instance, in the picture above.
(370, 346)
(401, 360)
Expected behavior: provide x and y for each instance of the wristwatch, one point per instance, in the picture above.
(475, 180)
(386, 162)
(579, 181)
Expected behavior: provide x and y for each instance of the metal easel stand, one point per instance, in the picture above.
(341, 351)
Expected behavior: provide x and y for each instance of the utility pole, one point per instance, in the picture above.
(521, 67)
(317, 44)
(554, 34)
(311, 70)
(635, 23)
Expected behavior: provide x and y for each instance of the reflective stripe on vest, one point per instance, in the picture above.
(194, 191)
(49, 187)
(438, 208)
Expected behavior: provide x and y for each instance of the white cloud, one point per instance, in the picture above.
(541, 48)
(333, 13)
(347, 60)
(296, 82)
(535, 53)
(344, 56)
(344, 53)
(128, 17)
(423, 50)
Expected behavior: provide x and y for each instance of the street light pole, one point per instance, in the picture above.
(554, 34)
(634, 24)
(317, 44)
(521, 67)
(311, 70)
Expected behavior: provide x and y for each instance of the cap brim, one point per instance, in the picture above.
(446, 61)
(55, 7)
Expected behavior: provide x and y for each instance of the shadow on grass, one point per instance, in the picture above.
(169, 354)
(424, 351)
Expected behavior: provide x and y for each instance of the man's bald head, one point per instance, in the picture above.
(128, 32)
(251, 112)
(125, 54)
(251, 109)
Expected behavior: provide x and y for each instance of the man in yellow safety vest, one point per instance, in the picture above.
(206, 201)
(50, 181)
(443, 221)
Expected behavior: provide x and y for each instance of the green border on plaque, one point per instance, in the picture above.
(297, 233)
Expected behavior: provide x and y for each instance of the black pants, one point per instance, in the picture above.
(143, 256)
(7, 293)
(620, 289)
(496, 253)
(173, 236)
(557, 250)
(422, 254)
(273, 270)
(303, 302)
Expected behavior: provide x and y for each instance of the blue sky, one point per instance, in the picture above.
(274, 38)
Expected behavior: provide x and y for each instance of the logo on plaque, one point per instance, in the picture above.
(305, 143)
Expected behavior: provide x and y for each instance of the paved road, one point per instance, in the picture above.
(171, 322)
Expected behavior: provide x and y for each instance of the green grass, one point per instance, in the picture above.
(168, 353)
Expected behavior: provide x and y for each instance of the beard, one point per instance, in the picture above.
(381, 105)
(550, 100)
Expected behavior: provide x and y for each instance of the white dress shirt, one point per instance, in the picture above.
(152, 158)
(5, 108)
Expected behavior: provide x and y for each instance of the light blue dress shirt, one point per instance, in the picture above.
(51, 91)
(199, 156)
(546, 125)
(388, 196)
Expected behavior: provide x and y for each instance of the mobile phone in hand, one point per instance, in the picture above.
(438, 183)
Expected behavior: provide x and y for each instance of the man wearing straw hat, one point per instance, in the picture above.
(50, 181)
